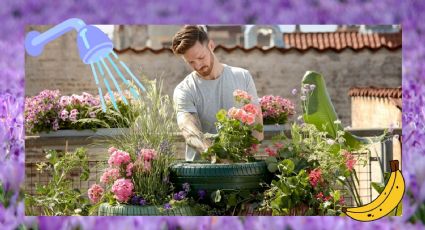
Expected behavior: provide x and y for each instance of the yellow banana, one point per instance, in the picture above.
(385, 202)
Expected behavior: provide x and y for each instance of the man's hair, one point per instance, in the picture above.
(187, 37)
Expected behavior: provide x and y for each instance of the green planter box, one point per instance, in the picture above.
(106, 209)
(211, 177)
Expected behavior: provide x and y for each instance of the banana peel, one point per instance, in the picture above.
(320, 112)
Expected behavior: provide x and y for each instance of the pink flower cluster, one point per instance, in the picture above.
(38, 106)
(118, 158)
(49, 110)
(314, 177)
(276, 106)
(323, 198)
(95, 193)
(147, 155)
(123, 189)
(110, 175)
(273, 152)
(85, 99)
(245, 116)
(349, 160)
(118, 174)
(242, 96)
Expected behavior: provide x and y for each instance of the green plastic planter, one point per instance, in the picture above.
(211, 177)
(106, 209)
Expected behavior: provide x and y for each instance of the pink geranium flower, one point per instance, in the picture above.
(122, 189)
(250, 108)
(314, 177)
(349, 160)
(271, 152)
(110, 175)
(147, 154)
(129, 169)
(242, 96)
(95, 193)
(118, 158)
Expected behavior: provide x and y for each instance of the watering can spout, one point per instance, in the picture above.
(93, 44)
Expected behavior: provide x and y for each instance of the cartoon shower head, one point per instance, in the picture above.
(93, 44)
(94, 47)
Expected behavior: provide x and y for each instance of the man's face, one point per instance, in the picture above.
(200, 58)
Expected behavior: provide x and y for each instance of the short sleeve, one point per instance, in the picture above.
(183, 101)
(250, 88)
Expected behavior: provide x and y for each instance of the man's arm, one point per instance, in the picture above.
(190, 126)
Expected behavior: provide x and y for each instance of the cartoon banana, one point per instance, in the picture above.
(385, 202)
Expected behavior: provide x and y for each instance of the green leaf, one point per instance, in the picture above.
(286, 166)
(216, 196)
(272, 167)
(320, 111)
(232, 201)
(271, 160)
(221, 115)
(379, 187)
(330, 212)
(336, 195)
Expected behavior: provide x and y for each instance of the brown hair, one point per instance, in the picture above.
(187, 37)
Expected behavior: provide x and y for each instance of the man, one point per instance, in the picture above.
(206, 90)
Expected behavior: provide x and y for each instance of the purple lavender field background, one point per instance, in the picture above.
(14, 15)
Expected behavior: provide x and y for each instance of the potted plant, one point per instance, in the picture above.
(137, 179)
(50, 111)
(138, 185)
(312, 173)
(235, 144)
(276, 111)
(313, 166)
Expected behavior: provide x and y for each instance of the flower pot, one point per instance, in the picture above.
(106, 209)
(211, 177)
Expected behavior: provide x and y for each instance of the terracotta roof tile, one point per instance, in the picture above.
(375, 92)
(302, 42)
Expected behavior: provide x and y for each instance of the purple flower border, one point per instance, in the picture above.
(15, 15)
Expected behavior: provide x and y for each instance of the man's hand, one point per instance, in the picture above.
(190, 126)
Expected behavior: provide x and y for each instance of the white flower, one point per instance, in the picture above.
(330, 141)
(338, 122)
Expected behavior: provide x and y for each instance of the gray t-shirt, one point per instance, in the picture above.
(207, 97)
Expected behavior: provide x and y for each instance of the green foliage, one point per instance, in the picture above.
(153, 122)
(59, 197)
(228, 202)
(153, 127)
(309, 149)
(319, 110)
(234, 139)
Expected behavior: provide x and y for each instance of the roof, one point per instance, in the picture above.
(343, 39)
(375, 92)
(393, 94)
(302, 42)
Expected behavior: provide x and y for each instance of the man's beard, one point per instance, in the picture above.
(205, 70)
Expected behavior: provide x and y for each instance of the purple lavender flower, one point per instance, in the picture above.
(135, 200)
(201, 194)
(142, 202)
(167, 206)
(180, 195)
